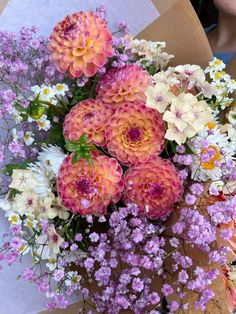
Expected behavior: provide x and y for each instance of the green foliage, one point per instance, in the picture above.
(10, 167)
(81, 149)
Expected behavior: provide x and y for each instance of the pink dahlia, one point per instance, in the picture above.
(88, 189)
(154, 186)
(89, 117)
(134, 133)
(80, 44)
(123, 84)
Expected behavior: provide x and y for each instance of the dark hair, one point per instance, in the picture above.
(206, 11)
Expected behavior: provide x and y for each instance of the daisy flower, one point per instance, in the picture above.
(208, 158)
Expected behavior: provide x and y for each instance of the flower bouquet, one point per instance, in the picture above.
(121, 180)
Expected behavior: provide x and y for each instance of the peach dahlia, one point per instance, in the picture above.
(88, 189)
(89, 117)
(134, 133)
(154, 186)
(80, 44)
(127, 83)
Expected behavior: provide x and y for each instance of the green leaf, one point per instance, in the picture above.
(83, 139)
(188, 150)
(72, 146)
(151, 69)
(36, 110)
(55, 134)
(10, 167)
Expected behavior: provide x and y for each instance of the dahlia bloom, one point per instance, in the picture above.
(88, 189)
(80, 44)
(154, 186)
(89, 117)
(134, 133)
(123, 84)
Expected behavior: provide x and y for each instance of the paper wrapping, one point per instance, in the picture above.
(180, 28)
(231, 68)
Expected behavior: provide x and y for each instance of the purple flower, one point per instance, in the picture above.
(190, 199)
(226, 234)
(94, 237)
(74, 247)
(137, 285)
(78, 237)
(197, 188)
(58, 274)
(167, 290)
(27, 274)
(137, 235)
(154, 298)
(182, 276)
(16, 243)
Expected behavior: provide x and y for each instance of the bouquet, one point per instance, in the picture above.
(118, 172)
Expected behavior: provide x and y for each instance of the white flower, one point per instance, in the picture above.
(28, 138)
(25, 203)
(179, 113)
(191, 72)
(14, 218)
(52, 265)
(232, 116)
(73, 278)
(52, 156)
(16, 116)
(173, 134)
(202, 114)
(230, 130)
(215, 65)
(159, 97)
(49, 244)
(30, 221)
(36, 89)
(50, 207)
(43, 123)
(5, 205)
(23, 180)
(25, 248)
(60, 89)
(221, 150)
(44, 179)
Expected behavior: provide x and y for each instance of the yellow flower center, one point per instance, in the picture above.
(13, 219)
(59, 87)
(210, 164)
(211, 125)
(46, 91)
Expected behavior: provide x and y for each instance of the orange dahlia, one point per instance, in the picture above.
(80, 44)
(89, 117)
(154, 186)
(134, 133)
(123, 84)
(88, 189)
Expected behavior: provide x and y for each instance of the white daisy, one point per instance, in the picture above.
(60, 89)
(73, 278)
(52, 157)
(28, 138)
(217, 149)
(13, 218)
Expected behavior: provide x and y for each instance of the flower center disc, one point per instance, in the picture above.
(83, 186)
(210, 164)
(134, 134)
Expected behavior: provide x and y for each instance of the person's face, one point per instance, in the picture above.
(226, 6)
